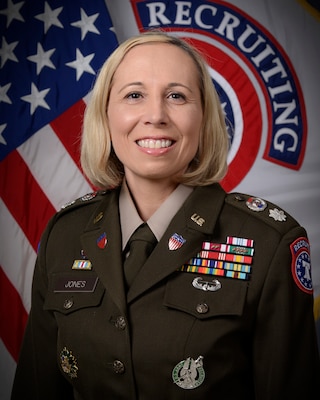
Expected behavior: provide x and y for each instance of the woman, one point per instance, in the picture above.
(222, 308)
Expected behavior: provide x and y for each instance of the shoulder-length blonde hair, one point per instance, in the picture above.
(98, 159)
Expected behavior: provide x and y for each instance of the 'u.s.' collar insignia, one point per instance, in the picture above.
(189, 373)
(176, 241)
(256, 204)
(277, 215)
(98, 217)
(301, 264)
(197, 219)
(68, 363)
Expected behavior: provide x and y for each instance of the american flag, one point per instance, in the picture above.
(50, 52)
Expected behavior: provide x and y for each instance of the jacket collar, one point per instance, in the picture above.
(194, 222)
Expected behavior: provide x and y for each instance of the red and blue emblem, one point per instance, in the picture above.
(301, 264)
(176, 241)
(258, 87)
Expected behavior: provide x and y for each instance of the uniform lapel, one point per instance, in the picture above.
(104, 227)
(195, 222)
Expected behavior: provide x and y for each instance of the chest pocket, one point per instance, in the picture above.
(206, 296)
(72, 291)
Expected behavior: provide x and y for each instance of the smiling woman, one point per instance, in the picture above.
(162, 285)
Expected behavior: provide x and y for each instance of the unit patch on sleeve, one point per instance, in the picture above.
(301, 264)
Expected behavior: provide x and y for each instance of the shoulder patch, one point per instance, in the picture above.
(301, 264)
(262, 209)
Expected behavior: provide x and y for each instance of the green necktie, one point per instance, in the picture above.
(140, 246)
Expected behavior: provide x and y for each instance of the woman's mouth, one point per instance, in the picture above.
(154, 144)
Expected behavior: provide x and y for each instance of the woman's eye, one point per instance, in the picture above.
(177, 96)
(134, 95)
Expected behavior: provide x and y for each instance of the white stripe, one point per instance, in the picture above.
(53, 168)
(17, 257)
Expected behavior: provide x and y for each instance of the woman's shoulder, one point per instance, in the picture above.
(262, 210)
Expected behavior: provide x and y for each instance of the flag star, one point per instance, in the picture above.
(12, 12)
(3, 94)
(82, 64)
(6, 52)
(36, 98)
(86, 24)
(42, 58)
(2, 139)
(50, 17)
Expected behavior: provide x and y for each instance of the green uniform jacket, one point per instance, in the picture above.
(174, 334)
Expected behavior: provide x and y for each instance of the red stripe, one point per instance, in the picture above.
(13, 316)
(68, 127)
(24, 198)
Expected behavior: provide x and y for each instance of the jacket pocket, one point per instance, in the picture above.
(206, 296)
(71, 291)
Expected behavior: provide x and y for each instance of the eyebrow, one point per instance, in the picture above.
(171, 85)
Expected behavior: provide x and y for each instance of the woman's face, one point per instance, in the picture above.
(155, 112)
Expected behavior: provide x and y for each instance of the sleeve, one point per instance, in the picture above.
(286, 355)
(37, 375)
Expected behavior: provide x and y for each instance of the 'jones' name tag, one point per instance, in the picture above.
(73, 283)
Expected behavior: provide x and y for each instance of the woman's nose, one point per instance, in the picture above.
(155, 111)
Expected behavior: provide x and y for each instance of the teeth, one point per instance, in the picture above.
(154, 144)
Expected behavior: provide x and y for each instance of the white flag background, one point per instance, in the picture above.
(264, 58)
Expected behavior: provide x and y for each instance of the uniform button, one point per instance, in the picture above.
(68, 304)
(202, 308)
(118, 367)
(120, 323)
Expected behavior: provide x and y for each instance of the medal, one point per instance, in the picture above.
(189, 373)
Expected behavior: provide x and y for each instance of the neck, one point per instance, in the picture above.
(149, 195)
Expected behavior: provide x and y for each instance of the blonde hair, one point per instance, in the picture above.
(98, 159)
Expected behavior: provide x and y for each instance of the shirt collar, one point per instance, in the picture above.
(158, 222)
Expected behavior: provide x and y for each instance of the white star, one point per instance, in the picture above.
(2, 139)
(36, 98)
(82, 64)
(42, 58)
(6, 52)
(13, 12)
(86, 24)
(3, 94)
(50, 17)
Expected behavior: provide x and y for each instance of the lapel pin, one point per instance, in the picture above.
(102, 241)
(176, 241)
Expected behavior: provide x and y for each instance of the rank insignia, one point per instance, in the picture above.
(301, 264)
(189, 373)
(232, 259)
(176, 241)
(277, 215)
(68, 363)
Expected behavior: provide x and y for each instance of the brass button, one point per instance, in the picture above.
(120, 323)
(118, 367)
(202, 308)
(68, 304)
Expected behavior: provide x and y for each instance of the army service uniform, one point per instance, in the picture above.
(222, 308)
